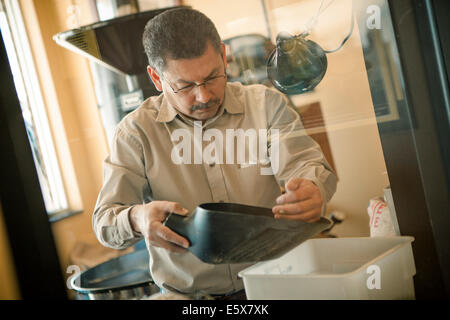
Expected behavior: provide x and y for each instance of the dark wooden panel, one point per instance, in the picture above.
(312, 117)
(37, 265)
(414, 158)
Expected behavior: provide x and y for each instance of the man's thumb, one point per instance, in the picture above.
(180, 210)
(293, 184)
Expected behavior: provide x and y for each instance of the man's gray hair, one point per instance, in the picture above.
(180, 33)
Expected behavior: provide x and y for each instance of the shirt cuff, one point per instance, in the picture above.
(125, 230)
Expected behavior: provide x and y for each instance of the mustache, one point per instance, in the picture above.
(201, 106)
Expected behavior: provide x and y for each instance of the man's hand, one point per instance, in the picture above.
(148, 218)
(302, 201)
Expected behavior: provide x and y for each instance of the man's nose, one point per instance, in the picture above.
(202, 95)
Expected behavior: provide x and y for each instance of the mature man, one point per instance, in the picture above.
(143, 183)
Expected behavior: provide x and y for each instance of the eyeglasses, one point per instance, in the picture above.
(208, 83)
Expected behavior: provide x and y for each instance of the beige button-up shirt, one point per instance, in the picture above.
(147, 162)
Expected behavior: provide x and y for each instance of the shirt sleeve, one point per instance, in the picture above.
(294, 154)
(124, 185)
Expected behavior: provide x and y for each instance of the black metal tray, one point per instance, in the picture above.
(124, 272)
(235, 233)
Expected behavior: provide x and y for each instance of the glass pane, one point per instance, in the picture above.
(33, 111)
(334, 97)
(337, 63)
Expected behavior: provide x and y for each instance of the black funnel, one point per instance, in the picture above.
(235, 233)
(115, 43)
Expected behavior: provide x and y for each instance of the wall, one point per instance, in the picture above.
(9, 289)
(344, 93)
(73, 115)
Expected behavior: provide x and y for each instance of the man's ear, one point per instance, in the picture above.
(156, 79)
(224, 55)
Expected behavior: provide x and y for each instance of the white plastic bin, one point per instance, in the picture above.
(341, 268)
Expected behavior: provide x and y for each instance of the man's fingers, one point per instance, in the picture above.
(297, 207)
(159, 235)
(164, 233)
(296, 196)
(295, 183)
(163, 208)
(305, 191)
(309, 216)
(180, 210)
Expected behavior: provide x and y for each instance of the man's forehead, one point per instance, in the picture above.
(190, 70)
(188, 78)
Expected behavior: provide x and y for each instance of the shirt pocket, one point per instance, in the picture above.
(253, 187)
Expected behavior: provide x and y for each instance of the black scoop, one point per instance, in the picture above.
(235, 233)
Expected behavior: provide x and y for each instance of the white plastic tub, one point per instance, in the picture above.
(342, 268)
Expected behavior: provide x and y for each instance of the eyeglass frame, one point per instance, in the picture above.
(193, 85)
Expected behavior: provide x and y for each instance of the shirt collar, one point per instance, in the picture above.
(230, 103)
(166, 112)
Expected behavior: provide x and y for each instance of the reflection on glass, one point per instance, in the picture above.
(297, 65)
(383, 69)
(247, 58)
